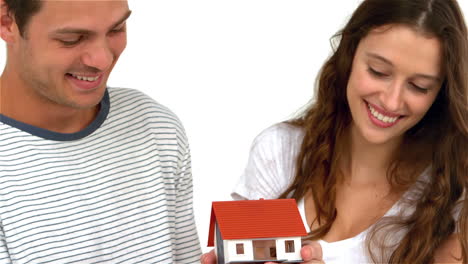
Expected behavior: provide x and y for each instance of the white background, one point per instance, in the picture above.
(228, 69)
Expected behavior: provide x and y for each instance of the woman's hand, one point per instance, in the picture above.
(208, 258)
(311, 253)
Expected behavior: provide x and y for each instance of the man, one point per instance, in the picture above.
(88, 174)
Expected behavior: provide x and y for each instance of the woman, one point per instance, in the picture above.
(379, 162)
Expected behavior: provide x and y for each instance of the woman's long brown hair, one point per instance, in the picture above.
(438, 142)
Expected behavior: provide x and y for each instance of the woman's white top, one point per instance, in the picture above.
(270, 170)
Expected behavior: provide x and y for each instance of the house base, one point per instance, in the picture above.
(263, 261)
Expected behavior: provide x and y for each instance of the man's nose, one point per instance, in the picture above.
(98, 56)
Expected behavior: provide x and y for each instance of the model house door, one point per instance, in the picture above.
(264, 249)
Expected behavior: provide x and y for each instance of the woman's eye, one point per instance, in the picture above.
(376, 73)
(418, 88)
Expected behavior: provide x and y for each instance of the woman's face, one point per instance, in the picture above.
(395, 77)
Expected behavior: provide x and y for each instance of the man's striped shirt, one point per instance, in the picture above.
(119, 191)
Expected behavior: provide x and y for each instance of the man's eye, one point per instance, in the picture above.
(71, 42)
(119, 30)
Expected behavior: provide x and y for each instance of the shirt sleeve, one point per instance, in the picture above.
(187, 243)
(270, 167)
(4, 256)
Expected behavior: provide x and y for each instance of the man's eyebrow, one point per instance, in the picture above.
(123, 19)
(70, 30)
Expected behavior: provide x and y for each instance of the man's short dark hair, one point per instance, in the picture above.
(23, 10)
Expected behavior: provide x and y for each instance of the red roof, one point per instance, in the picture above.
(249, 219)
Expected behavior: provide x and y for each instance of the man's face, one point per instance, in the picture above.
(69, 49)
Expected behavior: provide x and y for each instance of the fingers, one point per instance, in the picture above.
(311, 253)
(208, 258)
(314, 262)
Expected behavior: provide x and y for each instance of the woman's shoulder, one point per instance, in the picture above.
(270, 167)
(283, 128)
(281, 134)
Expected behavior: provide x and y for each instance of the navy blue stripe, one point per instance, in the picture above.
(50, 135)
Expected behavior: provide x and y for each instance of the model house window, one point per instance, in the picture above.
(239, 249)
(289, 245)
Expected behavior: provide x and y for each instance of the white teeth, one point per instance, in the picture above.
(381, 117)
(83, 78)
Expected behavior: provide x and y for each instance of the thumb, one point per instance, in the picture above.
(312, 251)
(208, 258)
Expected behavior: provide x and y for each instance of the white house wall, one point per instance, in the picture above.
(281, 250)
(230, 250)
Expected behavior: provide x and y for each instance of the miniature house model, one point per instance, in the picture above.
(256, 231)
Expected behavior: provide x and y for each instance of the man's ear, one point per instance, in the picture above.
(8, 28)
